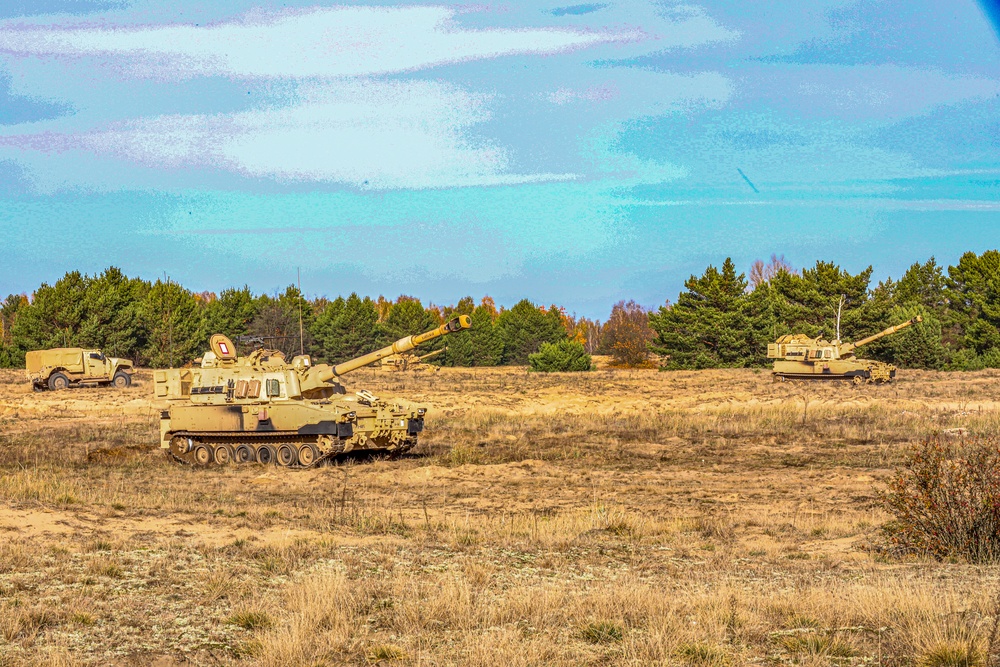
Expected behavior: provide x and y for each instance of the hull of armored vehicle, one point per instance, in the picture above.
(262, 408)
(301, 435)
(858, 371)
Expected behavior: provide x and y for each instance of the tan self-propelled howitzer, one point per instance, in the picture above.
(262, 408)
(799, 357)
(404, 362)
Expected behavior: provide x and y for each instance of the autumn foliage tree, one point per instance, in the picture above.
(626, 334)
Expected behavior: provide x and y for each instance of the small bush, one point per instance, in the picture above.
(566, 355)
(945, 501)
(602, 632)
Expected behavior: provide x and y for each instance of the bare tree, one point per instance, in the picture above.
(761, 273)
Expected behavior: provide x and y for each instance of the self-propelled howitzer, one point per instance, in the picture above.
(410, 361)
(262, 408)
(799, 357)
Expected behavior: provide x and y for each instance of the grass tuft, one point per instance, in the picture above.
(602, 632)
(251, 620)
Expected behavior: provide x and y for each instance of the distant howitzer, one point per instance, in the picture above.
(799, 357)
(402, 362)
(429, 355)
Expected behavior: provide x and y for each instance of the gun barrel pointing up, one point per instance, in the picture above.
(403, 345)
(881, 334)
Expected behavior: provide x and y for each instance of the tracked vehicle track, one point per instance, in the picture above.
(286, 449)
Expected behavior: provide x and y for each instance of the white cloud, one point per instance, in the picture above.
(327, 42)
(369, 134)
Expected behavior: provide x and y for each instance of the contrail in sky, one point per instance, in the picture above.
(747, 180)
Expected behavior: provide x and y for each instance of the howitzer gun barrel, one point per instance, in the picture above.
(431, 355)
(400, 346)
(881, 334)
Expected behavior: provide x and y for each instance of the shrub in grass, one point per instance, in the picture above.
(945, 501)
(566, 355)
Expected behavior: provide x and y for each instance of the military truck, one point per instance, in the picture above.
(799, 357)
(64, 367)
(263, 408)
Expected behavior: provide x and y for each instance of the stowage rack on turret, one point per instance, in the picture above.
(262, 408)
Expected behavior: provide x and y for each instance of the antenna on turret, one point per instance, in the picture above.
(302, 349)
(840, 307)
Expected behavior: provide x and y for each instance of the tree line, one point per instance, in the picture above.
(162, 324)
(722, 318)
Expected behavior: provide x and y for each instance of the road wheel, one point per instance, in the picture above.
(223, 455)
(202, 455)
(58, 381)
(265, 454)
(121, 380)
(857, 380)
(244, 454)
(286, 455)
(308, 454)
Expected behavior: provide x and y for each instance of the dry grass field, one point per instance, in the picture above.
(609, 518)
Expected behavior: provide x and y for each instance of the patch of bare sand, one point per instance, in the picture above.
(53, 523)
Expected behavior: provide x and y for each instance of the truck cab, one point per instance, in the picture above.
(64, 367)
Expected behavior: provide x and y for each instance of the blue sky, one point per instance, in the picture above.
(570, 153)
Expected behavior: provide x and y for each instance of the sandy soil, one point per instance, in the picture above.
(718, 476)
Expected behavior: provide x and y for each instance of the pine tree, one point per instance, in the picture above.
(973, 292)
(175, 326)
(53, 317)
(524, 328)
(709, 326)
(232, 312)
(809, 302)
(112, 315)
(347, 328)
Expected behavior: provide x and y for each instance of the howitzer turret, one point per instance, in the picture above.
(263, 408)
(799, 357)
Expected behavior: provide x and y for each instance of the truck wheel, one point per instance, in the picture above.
(58, 381)
(121, 380)
(37, 387)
